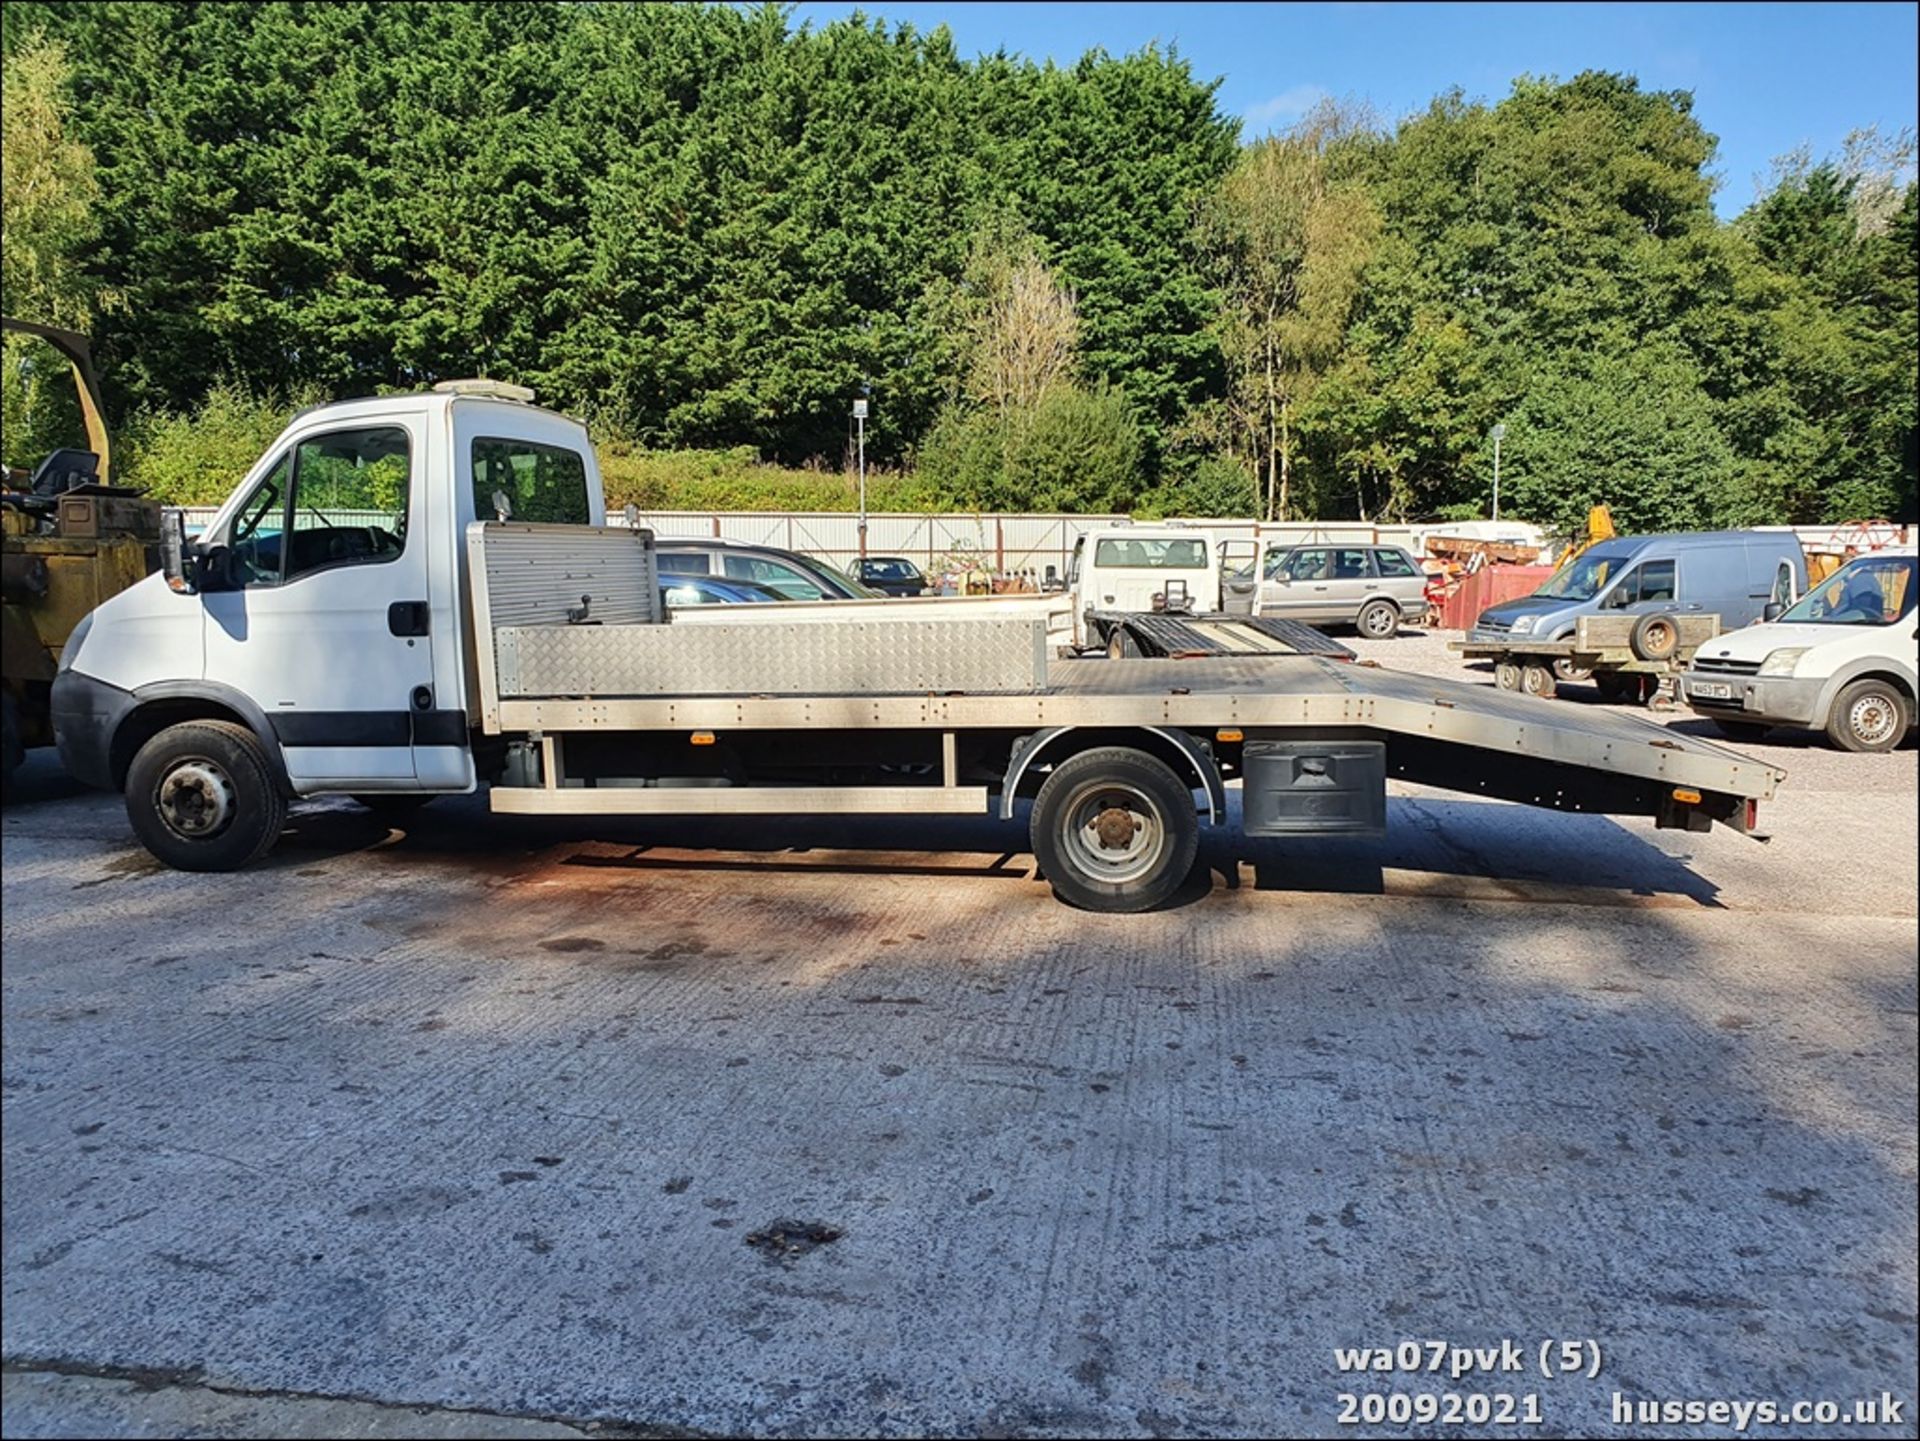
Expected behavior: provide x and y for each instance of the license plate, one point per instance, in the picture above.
(1712, 689)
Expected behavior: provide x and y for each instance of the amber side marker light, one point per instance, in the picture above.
(701, 738)
(1228, 737)
(1692, 798)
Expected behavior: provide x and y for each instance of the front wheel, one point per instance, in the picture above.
(1114, 830)
(1378, 620)
(202, 797)
(1869, 715)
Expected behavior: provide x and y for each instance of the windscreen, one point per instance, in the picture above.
(1150, 554)
(1586, 577)
(1868, 591)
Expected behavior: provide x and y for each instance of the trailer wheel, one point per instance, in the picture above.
(1506, 674)
(1114, 830)
(1869, 715)
(1121, 645)
(1538, 680)
(202, 797)
(1655, 637)
(1378, 620)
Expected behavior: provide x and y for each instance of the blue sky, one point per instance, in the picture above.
(1765, 78)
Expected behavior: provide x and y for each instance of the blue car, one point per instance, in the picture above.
(684, 590)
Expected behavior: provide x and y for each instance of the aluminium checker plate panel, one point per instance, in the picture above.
(851, 657)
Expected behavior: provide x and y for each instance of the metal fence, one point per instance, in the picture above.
(1012, 543)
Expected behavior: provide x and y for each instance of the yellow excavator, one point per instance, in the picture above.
(71, 539)
(1599, 528)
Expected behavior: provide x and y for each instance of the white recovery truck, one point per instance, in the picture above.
(294, 650)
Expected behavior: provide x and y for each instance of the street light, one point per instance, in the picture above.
(860, 419)
(1499, 434)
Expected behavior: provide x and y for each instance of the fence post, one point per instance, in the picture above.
(999, 547)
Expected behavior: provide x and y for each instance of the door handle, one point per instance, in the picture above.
(408, 617)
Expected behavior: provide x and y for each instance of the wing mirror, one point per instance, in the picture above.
(176, 557)
(1772, 611)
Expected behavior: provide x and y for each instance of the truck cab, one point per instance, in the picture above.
(1139, 568)
(322, 605)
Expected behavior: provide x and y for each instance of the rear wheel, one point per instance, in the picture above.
(1869, 715)
(1378, 620)
(1115, 830)
(1121, 645)
(1537, 680)
(1568, 669)
(202, 797)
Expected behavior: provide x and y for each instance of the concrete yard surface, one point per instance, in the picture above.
(482, 1116)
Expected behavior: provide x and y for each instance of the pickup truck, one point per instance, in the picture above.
(419, 595)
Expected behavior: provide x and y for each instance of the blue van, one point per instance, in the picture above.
(1740, 575)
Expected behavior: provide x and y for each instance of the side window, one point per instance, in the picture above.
(1275, 558)
(259, 526)
(542, 483)
(681, 563)
(1351, 565)
(1307, 565)
(1073, 566)
(784, 579)
(1656, 580)
(349, 499)
(1393, 563)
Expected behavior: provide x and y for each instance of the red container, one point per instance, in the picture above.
(1489, 586)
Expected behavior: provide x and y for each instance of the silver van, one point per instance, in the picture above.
(1740, 575)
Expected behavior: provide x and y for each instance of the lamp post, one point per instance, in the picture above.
(1499, 434)
(860, 420)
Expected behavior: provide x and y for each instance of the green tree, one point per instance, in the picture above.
(1288, 240)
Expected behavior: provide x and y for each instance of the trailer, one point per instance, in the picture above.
(1629, 657)
(447, 651)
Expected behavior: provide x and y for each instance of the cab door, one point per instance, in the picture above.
(320, 613)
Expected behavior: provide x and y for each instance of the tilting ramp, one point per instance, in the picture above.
(1189, 637)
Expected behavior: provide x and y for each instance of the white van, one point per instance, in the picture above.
(1842, 660)
(1140, 568)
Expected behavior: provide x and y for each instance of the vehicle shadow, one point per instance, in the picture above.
(1485, 849)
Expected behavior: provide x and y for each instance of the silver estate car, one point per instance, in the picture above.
(1372, 588)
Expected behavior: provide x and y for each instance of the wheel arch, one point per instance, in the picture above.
(1177, 748)
(170, 702)
(1866, 668)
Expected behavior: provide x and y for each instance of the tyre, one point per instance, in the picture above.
(1869, 715)
(1567, 669)
(1114, 830)
(1538, 680)
(1655, 637)
(1745, 732)
(1121, 645)
(202, 797)
(1506, 674)
(1378, 620)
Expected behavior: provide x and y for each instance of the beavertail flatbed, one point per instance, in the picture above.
(539, 660)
